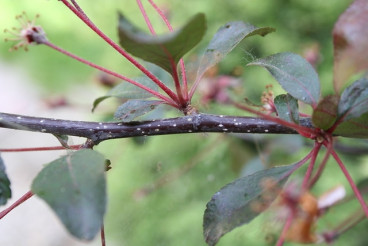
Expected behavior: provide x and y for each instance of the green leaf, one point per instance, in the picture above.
(74, 186)
(295, 75)
(350, 38)
(325, 114)
(126, 90)
(233, 205)
(163, 50)
(5, 191)
(225, 40)
(354, 128)
(287, 108)
(134, 108)
(354, 100)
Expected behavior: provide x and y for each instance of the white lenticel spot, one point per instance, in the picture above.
(19, 117)
(174, 125)
(157, 130)
(266, 130)
(221, 125)
(138, 129)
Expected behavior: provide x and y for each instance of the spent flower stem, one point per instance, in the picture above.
(82, 16)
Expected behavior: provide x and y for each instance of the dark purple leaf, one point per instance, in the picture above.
(164, 50)
(295, 75)
(233, 205)
(325, 115)
(354, 100)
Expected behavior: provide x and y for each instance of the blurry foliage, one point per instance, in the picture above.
(172, 214)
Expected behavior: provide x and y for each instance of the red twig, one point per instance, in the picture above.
(103, 241)
(286, 227)
(24, 198)
(306, 132)
(351, 182)
(74, 147)
(321, 167)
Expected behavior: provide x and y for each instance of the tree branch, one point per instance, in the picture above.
(101, 131)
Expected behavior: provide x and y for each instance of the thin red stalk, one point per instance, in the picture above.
(308, 174)
(146, 18)
(298, 128)
(321, 167)
(154, 93)
(351, 182)
(286, 227)
(103, 241)
(24, 198)
(173, 64)
(89, 23)
(74, 147)
(181, 62)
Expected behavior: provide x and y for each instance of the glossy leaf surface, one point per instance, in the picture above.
(233, 205)
(287, 108)
(225, 40)
(163, 50)
(135, 108)
(295, 75)
(354, 100)
(126, 90)
(350, 38)
(74, 186)
(5, 191)
(325, 115)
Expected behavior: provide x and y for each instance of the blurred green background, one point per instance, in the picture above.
(159, 186)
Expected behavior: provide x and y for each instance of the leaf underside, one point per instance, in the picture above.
(132, 109)
(163, 50)
(74, 186)
(225, 40)
(233, 205)
(287, 108)
(294, 74)
(126, 90)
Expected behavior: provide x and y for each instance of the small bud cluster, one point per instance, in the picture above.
(28, 33)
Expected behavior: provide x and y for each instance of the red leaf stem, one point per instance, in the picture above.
(154, 93)
(181, 62)
(351, 182)
(90, 24)
(73, 147)
(24, 198)
(316, 148)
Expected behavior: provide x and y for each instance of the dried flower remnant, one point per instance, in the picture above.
(27, 34)
(267, 100)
